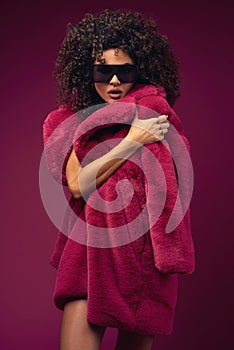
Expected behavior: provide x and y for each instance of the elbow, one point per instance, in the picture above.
(76, 195)
(75, 192)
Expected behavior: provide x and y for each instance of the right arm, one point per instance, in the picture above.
(141, 132)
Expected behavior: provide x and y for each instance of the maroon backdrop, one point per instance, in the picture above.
(202, 35)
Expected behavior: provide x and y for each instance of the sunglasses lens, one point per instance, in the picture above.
(126, 73)
(102, 73)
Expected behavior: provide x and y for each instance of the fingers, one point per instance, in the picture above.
(149, 130)
(164, 127)
(162, 118)
(162, 124)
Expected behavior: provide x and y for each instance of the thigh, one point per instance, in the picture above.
(127, 340)
(76, 332)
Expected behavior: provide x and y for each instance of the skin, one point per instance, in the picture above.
(112, 56)
(141, 132)
(76, 332)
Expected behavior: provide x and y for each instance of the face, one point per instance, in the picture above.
(114, 89)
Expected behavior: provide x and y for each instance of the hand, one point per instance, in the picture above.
(148, 130)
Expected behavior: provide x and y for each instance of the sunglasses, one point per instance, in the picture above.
(126, 73)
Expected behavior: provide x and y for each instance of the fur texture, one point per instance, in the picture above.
(131, 286)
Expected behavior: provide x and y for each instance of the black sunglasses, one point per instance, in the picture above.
(126, 73)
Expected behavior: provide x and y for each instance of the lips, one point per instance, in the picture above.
(115, 94)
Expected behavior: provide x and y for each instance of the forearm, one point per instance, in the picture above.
(84, 180)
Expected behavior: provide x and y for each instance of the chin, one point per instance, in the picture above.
(109, 100)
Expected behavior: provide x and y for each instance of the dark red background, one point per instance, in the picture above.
(202, 35)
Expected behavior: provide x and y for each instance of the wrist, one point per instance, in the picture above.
(131, 143)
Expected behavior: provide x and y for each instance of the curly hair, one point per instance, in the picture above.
(130, 31)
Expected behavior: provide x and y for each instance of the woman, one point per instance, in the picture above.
(116, 57)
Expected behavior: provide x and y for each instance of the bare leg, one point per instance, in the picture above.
(127, 340)
(76, 332)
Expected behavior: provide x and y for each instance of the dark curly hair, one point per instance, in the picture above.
(139, 37)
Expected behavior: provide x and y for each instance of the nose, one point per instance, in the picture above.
(115, 80)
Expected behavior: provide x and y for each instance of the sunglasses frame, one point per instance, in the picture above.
(116, 70)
